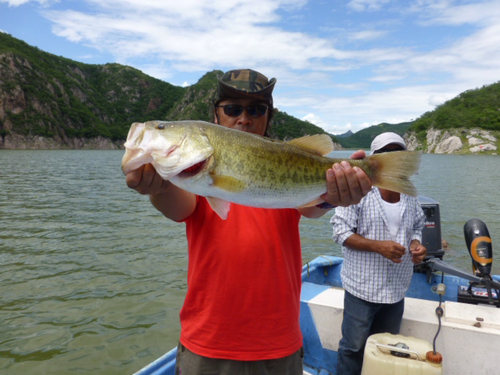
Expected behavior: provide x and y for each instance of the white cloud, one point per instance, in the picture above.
(436, 100)
(446, 13)
(224, 34)
(16, 3)
(218, 33)
(472, 61)
(314, 119)
(362, 5)
(367, 35)
(160, 71)
(386, 78)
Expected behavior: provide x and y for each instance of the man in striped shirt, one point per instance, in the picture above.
(380, 240)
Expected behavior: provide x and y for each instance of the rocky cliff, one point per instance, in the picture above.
(456, 140)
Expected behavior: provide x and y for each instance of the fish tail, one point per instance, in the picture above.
(392, 170)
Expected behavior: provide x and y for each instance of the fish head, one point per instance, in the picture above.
(170, 147)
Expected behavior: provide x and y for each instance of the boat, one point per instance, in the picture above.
(452, 311)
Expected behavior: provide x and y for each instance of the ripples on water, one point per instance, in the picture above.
(92, 277)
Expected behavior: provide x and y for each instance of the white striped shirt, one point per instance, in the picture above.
(368, 275)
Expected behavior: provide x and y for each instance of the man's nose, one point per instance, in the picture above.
(245, 118)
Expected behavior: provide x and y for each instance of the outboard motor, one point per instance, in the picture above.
(478, 242)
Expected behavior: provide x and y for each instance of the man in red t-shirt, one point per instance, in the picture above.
(241, 312)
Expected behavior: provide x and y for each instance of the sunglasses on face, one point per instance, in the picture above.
(235, 110)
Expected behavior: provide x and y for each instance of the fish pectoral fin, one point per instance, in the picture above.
(228, 183)
(319, 144)
(220, 206)
(313, 203)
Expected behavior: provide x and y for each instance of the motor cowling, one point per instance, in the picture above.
(478, 242)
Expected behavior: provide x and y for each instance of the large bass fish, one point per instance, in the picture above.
(227, 165)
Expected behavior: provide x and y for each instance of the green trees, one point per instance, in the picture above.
(478, 108)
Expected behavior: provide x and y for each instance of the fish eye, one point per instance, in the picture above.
(160, 126)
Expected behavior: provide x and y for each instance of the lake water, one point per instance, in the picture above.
(92, 277)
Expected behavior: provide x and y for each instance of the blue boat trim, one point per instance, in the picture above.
(165, 365)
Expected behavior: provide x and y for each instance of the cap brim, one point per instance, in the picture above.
(390, 143)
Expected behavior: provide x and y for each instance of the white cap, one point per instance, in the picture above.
(385, 139)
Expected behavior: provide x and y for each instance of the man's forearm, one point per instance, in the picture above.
(357, 242)
(175, 204)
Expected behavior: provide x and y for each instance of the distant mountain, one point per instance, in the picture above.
(363, 138)
(345, 135)
(48, 101)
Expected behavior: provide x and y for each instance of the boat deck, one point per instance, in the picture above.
(468, 332)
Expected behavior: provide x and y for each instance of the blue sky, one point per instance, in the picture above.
(343, 65)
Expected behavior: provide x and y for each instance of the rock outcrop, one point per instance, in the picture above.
(457, 140)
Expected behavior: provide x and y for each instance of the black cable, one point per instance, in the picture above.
(439, 313)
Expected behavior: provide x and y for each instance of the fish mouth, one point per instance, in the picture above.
(193, 170)
(133, 159)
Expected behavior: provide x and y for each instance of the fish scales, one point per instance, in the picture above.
(270, 167)
(273, 163)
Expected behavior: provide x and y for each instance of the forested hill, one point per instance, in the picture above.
(67, 103)
(477, 108)
(46, 95)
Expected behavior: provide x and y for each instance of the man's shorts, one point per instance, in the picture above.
(189, 363)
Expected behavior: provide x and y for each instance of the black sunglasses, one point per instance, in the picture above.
(235, 110)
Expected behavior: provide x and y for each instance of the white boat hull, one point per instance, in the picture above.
(468, 340)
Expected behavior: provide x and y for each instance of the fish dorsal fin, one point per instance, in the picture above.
(220, 206)
(319, 144)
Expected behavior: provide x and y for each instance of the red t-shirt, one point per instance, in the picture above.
(244, 281)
